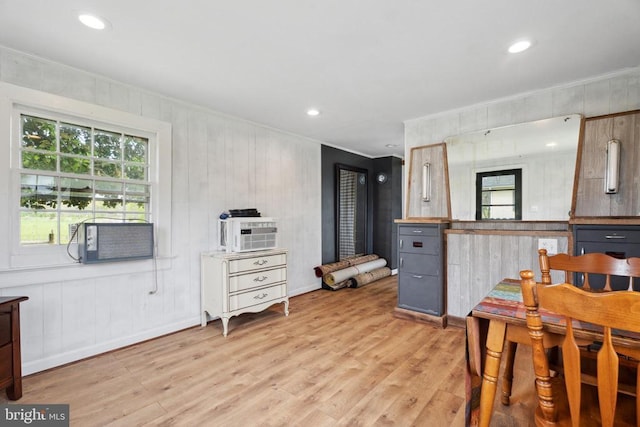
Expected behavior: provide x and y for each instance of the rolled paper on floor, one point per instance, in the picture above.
(344, 274)
(371, 276)
(324, 269)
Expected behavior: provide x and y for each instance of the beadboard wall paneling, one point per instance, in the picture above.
(219, 163)
(602, 95)
(478, 260)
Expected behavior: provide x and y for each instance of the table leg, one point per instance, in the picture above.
(507, 376)
(495, 343)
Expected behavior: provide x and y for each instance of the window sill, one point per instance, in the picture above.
(32, 275)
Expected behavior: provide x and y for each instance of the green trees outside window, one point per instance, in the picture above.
(72, 173)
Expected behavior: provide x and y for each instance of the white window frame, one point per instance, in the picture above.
(16, 100)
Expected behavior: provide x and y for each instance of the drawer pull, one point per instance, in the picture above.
(260, 279)
(261, 296)
(417, 231)
(415, 276)
(614, 237)
(260, 262)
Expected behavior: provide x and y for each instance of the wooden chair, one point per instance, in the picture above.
(619, 311)
(602, 265)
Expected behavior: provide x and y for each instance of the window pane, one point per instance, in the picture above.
(38, 192)
(68, 223)
(501, 212)
(137, 189)
(75, 139)
(136, 217)
(38, 133)
(82, 154)
(140, 207)
(108, 196)
(39, 161)
(107, 169)
(35, 227)
(506, 197)
(498, 182)
(107, 145)
(136, 172)
(76, 193)
(75, 165)
(135, 149)
(137, 198)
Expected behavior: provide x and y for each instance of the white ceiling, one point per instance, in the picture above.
(367, 65)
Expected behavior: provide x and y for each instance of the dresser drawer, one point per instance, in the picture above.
(247, 299)
(419, 244)
(420, 264)
(611, 235)
(256, 263)
(258, 278)
(416, 230)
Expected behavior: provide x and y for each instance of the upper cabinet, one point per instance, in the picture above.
(428, 189)
(592, 199)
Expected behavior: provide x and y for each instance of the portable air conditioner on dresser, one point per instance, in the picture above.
(244, 234)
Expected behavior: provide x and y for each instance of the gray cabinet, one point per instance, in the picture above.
(620, 241)
(420, 268)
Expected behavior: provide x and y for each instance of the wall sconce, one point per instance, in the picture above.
(612, 173)
(426, 182)
(381, 177)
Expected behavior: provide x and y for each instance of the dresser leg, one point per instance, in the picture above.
(225, 326)
(286, 307)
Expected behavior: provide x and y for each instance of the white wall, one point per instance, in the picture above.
(219, 163)
(598, 96)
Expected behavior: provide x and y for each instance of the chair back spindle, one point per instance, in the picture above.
(618, 310)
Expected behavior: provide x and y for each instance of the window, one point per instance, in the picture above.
(72, 172)
(67, 161)
(499, 195)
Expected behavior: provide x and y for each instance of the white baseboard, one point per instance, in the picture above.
(72, 356)
(300, 291)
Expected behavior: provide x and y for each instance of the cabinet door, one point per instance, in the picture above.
(419, 264)
(420, 292)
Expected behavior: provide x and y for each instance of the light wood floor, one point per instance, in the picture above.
(340, 358)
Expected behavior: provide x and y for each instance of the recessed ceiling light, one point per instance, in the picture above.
(313, 112)
(519, 46)
(92, 21)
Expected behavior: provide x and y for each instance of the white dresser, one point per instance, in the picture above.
(236, 283)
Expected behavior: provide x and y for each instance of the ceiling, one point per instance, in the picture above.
(366, 65)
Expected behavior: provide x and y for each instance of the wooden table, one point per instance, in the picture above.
(10, 360)
(501, 316)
